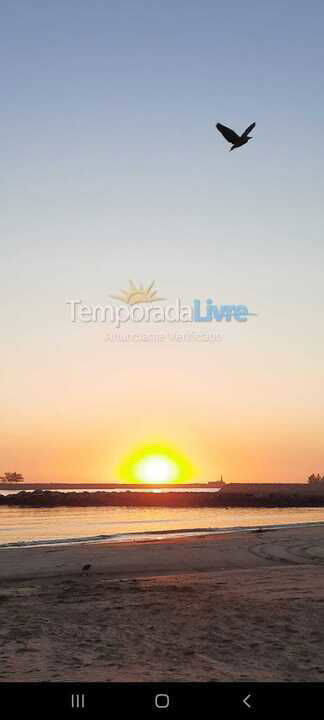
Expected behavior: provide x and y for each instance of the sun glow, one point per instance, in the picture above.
(156, 469)
(155, 464)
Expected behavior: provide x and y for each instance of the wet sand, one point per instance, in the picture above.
(227, 607)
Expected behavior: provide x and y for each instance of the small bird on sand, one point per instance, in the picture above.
(232, 137)
(86, 568)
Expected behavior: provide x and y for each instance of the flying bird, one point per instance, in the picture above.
(86, 568)
(232, 137)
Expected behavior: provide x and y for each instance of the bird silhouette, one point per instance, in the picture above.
(232, 137)
(86, 568)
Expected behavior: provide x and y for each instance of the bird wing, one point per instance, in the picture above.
(248, 130)
(227, 133)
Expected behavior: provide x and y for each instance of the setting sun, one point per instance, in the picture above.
(155, 464)
(156, 469)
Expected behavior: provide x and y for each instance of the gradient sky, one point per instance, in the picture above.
(111, 169)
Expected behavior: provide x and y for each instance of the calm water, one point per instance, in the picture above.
(30, 525)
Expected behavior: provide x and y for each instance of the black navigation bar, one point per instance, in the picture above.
(164, 700)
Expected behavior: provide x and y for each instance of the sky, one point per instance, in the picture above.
(112, 169)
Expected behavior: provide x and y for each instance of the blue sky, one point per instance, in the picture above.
(112, 168)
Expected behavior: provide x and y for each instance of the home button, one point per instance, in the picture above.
(162, 701)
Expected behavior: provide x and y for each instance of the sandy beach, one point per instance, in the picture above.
(227, 607)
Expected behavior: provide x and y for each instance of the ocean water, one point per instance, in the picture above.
(28, 526)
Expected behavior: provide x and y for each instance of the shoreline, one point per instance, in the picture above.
(155, 536)
(204, 553)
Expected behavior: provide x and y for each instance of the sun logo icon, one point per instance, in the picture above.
(136, 295)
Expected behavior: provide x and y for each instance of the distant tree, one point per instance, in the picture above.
(12, 477)
(316, 479)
